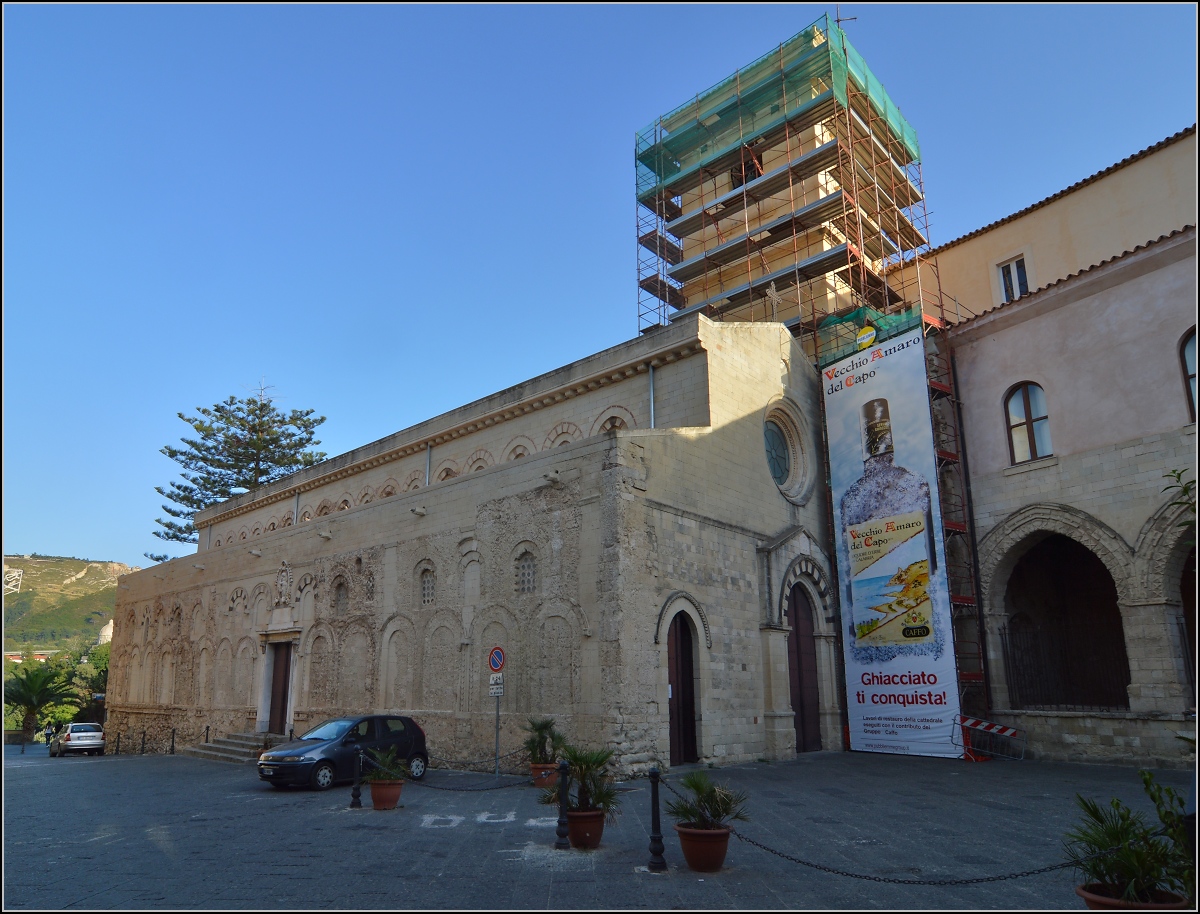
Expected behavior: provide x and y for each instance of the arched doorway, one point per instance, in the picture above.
(802, 665)
(1063, 644)
(681, 689)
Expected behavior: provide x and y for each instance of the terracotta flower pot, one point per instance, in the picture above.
(544, 775)
(584, 829)
(1094, 897)
(385, 794)
(704, 849)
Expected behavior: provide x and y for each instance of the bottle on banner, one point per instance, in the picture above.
(887, 522)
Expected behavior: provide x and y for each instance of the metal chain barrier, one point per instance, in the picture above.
(891, 879)
(491, 759)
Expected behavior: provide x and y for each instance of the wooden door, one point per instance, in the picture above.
(280, 679)
(802, 660)
(682, 686)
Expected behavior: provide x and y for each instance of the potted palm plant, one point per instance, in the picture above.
(591, 795)
(385, 773)
(1128, 864)
(702, 820)
(544, 743)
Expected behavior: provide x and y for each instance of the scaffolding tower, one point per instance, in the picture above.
(792, 192)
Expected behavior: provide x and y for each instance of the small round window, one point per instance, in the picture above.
(789, 447)
(779, 455)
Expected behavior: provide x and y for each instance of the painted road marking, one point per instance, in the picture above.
(433, 821)
(488, 817)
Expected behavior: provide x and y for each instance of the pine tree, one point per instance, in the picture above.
(239, 445)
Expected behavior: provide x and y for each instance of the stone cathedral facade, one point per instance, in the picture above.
(616, 526)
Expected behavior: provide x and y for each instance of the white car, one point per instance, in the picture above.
(79, 738)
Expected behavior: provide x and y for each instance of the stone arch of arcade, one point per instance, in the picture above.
(1063, 613)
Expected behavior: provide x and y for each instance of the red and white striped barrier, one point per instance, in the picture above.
(982, 750)
(988, 726)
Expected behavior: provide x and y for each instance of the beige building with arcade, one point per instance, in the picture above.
(1077, 382)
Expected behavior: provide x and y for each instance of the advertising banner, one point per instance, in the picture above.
(901, 684)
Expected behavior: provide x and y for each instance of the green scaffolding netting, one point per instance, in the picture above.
(844, 55)
(837, 335)
(757, 99)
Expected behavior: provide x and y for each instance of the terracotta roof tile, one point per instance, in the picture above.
(1149, 150)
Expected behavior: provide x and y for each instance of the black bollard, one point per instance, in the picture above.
(291, 734)
(206, 733)
(656, 842)
(143, 752)
(356, 790)
(172, 741)
(564, 773)
(118, 752)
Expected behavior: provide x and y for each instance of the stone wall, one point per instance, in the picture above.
(1110, 737)
(1120, 484)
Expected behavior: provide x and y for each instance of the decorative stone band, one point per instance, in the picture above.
(538, 401)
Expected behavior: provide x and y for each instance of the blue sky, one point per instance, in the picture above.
(387, 211)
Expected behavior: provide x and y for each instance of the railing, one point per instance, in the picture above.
(1065, 668)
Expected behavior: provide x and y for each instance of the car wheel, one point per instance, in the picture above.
(322, 776)
(416, 767)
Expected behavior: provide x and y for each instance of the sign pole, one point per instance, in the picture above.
(496, 687)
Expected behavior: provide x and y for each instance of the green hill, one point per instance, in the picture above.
(60, 599)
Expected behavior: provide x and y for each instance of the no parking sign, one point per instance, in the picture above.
(496, 659)
(496, 681)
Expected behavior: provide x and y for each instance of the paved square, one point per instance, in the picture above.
(174, 832)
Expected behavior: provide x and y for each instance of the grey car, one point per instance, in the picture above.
(326, 754)
(79, 739)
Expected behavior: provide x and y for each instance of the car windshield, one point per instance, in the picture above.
(86, 728)
(331, 729)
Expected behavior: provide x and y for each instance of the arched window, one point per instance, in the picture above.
(1187, 355)
(427, 586)
(1028, 424)
(526, 573)
(341, 599)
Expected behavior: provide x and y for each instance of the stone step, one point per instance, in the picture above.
(235, 747)
(213, 754)
(255, 739)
